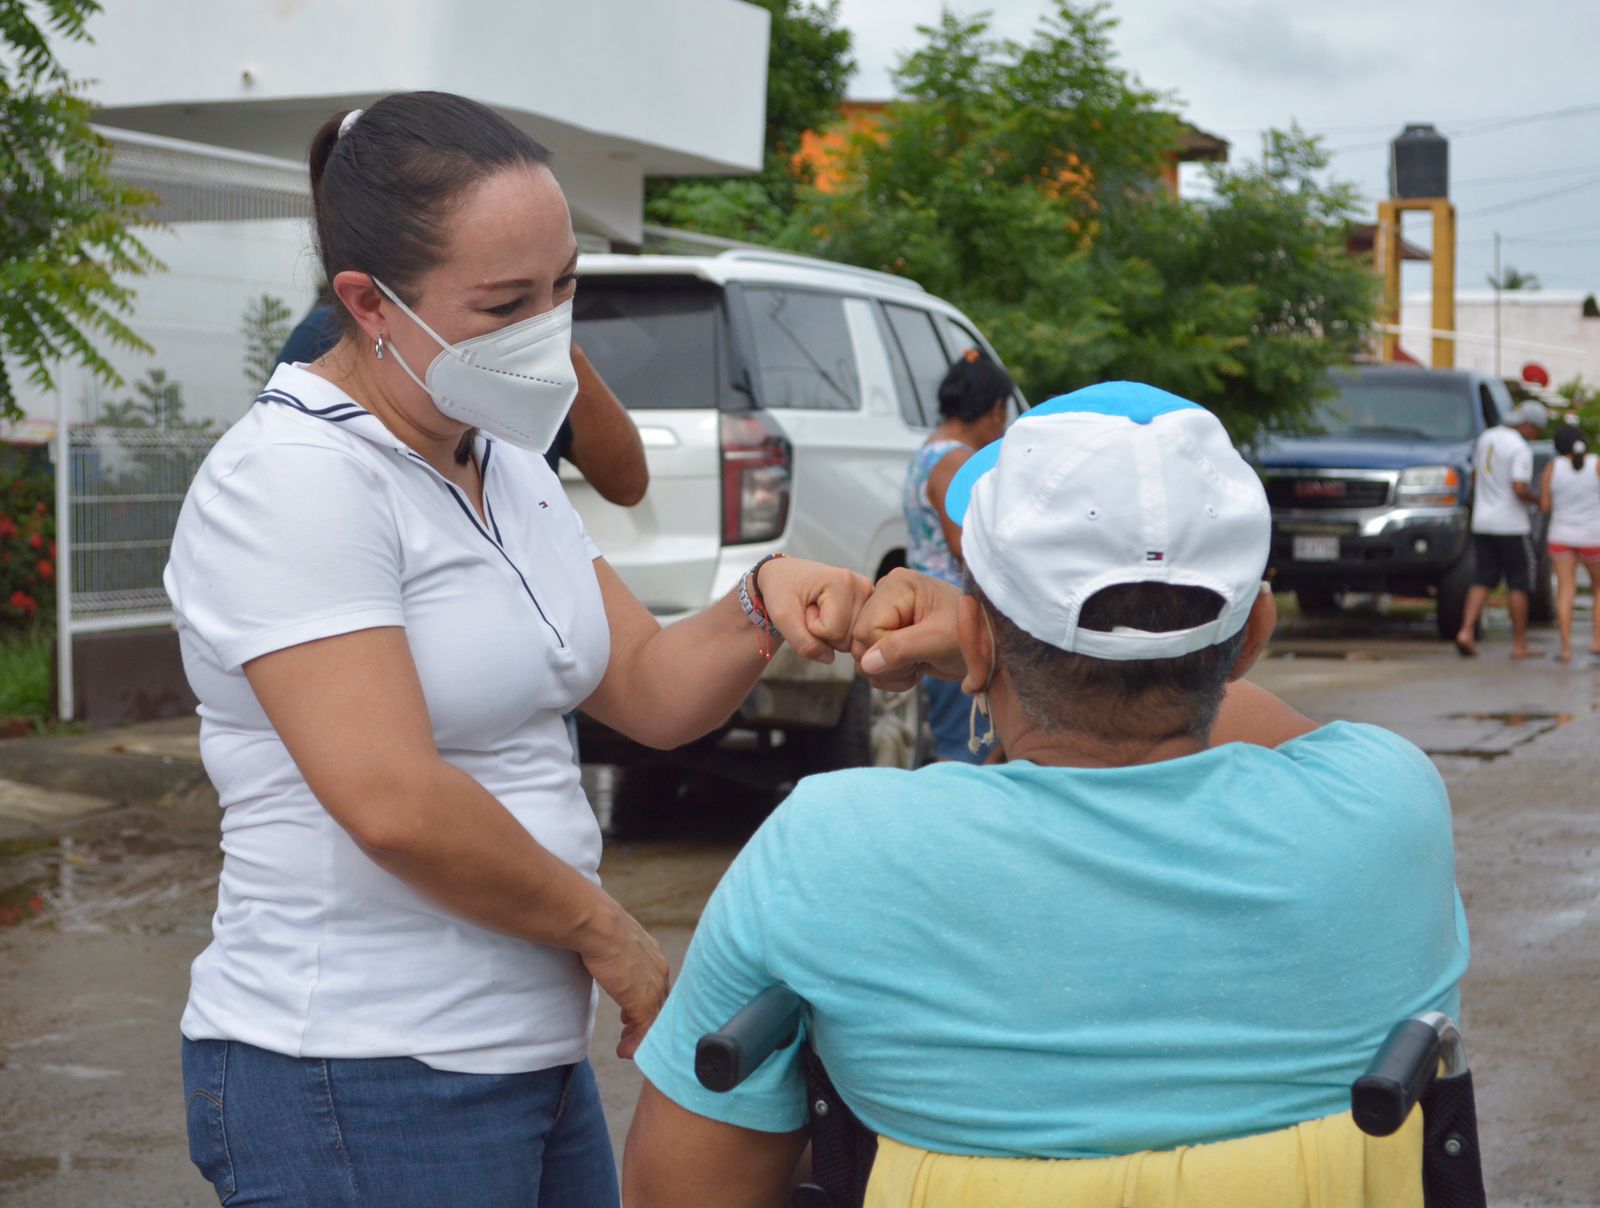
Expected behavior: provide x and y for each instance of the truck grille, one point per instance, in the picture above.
(1329, 492)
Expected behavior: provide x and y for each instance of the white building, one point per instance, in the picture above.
(1558, 329)
(211, 103)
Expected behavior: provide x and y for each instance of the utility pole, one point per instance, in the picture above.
(1497, 304)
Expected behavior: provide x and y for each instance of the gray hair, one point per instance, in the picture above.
(1116, 700)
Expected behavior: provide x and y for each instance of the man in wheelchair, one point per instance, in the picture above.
(1156, 946)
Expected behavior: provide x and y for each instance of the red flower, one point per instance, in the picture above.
(36, 541)
(8, 527)
(46, 571)
(24, 603)
(41, 508)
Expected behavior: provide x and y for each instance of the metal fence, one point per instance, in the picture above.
(127, 485)
(116, 508)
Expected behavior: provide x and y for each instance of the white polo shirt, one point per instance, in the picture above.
(1501, 458)
(310, 519)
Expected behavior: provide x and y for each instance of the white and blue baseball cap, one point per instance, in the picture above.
(1116, 483)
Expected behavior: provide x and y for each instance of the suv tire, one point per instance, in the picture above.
(1452, 593)
(876, 729)
(1542, 600)
(1317, 601)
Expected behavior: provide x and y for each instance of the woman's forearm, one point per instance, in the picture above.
(446, 836)
(678, 683)
(666, 687)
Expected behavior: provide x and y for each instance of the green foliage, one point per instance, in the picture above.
(1583, 400)
(157, 404)
(808, 66)
(1513, 278)
(27, 544)
(1021, 181)
(67, 245)
(266, 325)
(25, 677)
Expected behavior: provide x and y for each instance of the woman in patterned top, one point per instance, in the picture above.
(972, 407)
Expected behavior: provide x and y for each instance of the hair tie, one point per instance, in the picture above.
(971, 355)
(349, 120)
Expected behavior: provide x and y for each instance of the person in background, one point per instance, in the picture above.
(972, 407)
(1502, 530)
(1570, 492)
(597, 436)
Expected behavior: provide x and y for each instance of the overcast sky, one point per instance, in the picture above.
(1357, 72)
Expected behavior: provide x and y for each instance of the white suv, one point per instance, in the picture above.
(780, 400)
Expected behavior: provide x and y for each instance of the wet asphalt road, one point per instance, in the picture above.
(100, 918)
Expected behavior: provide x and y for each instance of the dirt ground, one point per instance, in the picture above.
(108, 868)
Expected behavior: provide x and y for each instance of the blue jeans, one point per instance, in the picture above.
(390, 1131)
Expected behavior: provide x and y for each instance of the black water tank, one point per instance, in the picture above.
(1419, 163)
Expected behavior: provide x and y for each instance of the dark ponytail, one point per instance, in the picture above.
(382, 191)
(1570, 443)
(972, 387)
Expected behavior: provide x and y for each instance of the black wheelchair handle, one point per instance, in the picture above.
(768, 1022)
(1382, 1098)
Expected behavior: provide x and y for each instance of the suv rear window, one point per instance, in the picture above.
(655, 341)
(803, 353)
(1391, 408)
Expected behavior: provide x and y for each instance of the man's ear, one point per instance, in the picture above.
(1258, 629)
(972, 635)
(356, 292)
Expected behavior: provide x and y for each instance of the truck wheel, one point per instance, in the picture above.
(1452, 593)
(876, 729)
(1317, 601)
(1542, 600)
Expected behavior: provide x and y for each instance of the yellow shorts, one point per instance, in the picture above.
(1326, 1163)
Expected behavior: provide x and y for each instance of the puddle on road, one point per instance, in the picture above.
(18, 1169)
(1336, 656)
(1534, 724)
(1515, 718)
(125, 882)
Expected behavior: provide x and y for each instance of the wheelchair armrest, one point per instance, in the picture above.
(1382, 1098)
(768, 1022)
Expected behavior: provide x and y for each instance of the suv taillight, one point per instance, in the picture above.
(756, 459)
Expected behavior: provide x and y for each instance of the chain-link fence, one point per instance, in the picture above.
(127, 484)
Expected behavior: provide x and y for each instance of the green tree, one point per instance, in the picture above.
(266, 325)
(67, 244)
(1021, 181)
(1513, 278)
(808, 66)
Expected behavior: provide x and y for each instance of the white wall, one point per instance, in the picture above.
(192, 315)
(1546, 326)
(679, 84)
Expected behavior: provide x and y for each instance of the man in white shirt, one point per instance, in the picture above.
(1502, 527)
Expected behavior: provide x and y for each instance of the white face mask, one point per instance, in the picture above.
(516, 383)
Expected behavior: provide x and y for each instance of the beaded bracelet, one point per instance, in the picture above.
(756, 608)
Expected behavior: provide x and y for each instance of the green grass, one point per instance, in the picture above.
(25, 677)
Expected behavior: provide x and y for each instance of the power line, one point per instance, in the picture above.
(1467, 125)
(1485, 126)
(1514, 177)
(1532, 198)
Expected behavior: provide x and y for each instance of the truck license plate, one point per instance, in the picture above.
(1316, 549)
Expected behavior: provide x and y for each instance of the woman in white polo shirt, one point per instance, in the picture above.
(386, 605)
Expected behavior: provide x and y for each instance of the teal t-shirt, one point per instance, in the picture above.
(1063, 962)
